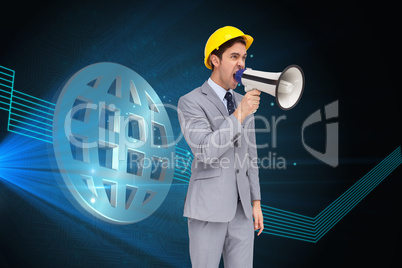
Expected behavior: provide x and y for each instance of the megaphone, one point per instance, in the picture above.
(287, 87)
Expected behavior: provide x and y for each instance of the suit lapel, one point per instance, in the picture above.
(212, 97)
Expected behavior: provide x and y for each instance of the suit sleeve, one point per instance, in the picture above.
(253, 163)
(207, 145)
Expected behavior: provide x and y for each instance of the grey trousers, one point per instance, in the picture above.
(234, 239)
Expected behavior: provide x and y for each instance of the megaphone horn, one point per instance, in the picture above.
(287, 87)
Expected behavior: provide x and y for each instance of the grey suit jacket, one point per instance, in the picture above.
(225, 157)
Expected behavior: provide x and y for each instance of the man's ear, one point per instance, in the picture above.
(214, 60)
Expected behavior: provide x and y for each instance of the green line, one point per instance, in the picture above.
(34, 103)
(287, 236)
(49, 130)
(5, 80)
(180, 179)
(28, 130)
(4, 103)
(288, 222)
(6, 85)
(51, 114)
(40, 122)
(6, 74)
(284, 216)
(352, 201)
(24, 134)
(7, 98)
(284, 211)
(2, 67)
(34, 97)
(31, 114)
(390, 167)
(8, 92)
(364, 180)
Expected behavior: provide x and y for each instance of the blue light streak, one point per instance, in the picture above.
(27, 168)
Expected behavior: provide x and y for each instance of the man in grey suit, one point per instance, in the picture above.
(223, 196)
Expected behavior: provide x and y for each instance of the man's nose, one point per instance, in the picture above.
(241, 63)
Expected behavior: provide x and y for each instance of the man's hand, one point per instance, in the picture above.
(249, 103)
(257, 215)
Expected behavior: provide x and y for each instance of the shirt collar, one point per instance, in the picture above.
(220, 91)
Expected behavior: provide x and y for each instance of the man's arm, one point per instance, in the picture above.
(254, 177)
(253, 173)
(252, 104)
(257, 215)
(207, 145)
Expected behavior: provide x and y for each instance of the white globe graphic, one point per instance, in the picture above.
(113, 143)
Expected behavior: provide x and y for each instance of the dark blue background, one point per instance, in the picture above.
(348, 52)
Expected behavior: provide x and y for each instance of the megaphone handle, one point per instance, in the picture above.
(248, 88)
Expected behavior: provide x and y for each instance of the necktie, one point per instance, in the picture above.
(230, 102)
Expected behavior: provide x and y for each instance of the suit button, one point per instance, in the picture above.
(237, 170)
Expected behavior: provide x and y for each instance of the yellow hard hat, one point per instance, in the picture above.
(219, 37)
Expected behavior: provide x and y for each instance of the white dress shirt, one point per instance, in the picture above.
(221, 92)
